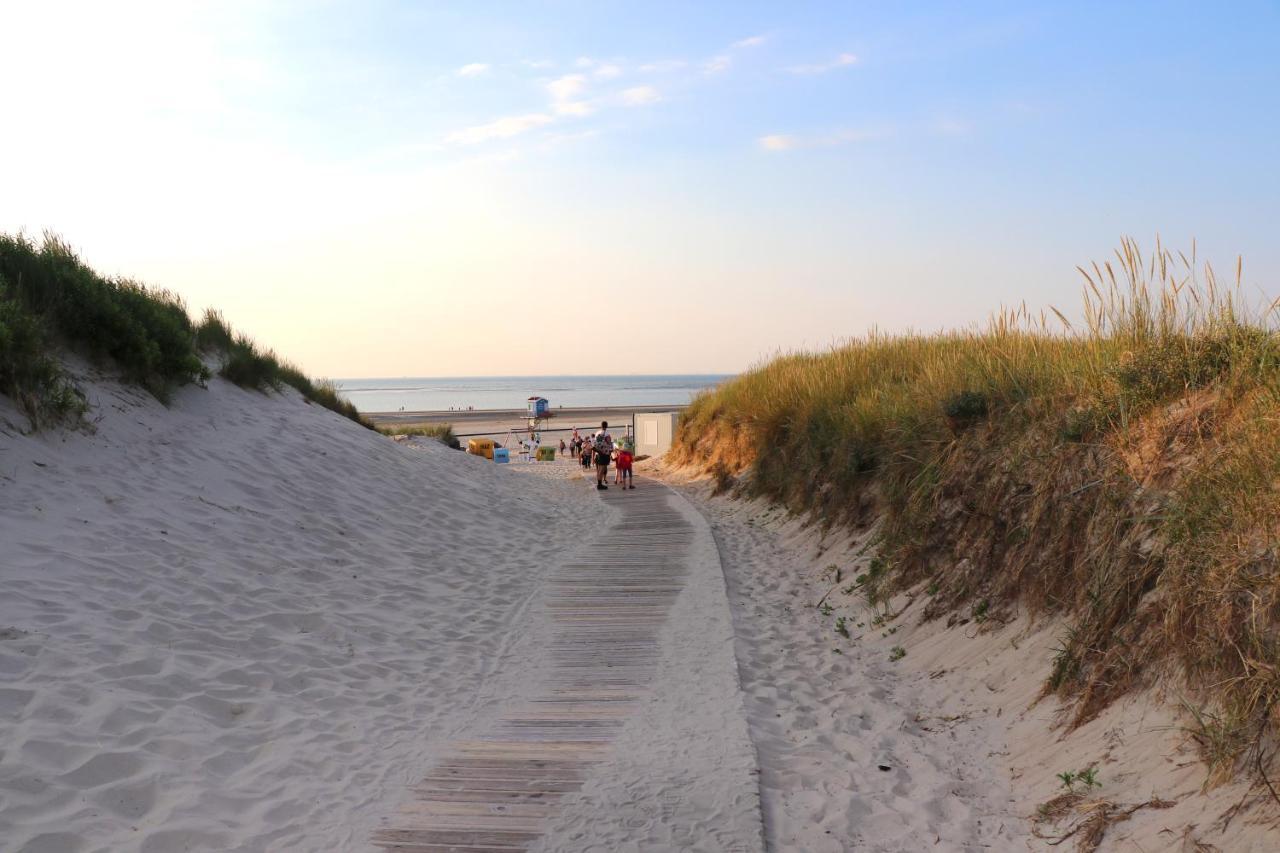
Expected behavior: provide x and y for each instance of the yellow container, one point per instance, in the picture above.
(481, 447)
(546, 454)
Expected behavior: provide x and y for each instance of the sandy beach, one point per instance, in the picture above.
(501, 425)
(244, 623)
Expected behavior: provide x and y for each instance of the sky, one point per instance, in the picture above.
(436, 189)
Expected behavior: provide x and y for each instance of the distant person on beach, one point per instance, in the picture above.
(603, 448)
(584, 454)
(626, 455)
(562, 447)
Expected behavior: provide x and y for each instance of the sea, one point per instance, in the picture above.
(440, 394)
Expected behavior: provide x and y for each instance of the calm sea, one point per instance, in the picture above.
(510, 392)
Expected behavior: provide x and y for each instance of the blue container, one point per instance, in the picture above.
(501, 454)
(538, 406)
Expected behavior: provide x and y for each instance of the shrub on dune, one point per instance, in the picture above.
(1125, 474)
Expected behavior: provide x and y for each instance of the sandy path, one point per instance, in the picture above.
(636, 739)
(854, 753)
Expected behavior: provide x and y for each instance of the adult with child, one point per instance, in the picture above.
(603, 449)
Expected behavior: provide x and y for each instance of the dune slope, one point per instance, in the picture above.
(240, 622)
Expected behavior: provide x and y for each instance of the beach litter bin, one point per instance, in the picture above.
(481, 447)
(546, 454)
(501, 454)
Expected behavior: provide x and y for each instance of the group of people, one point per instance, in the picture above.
(600, 449)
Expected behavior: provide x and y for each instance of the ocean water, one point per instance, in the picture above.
(510, 392)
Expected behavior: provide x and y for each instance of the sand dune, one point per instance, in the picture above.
(242, 622)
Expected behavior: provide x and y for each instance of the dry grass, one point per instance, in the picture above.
(1125, 472)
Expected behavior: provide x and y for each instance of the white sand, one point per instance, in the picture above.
(971, 754)
(244, 623)
(682, 774)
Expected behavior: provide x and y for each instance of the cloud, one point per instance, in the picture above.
(778, 142)
(717, 64)
(473, 69)
(663, 65)
(502, 128)
(844, 60)
(567, 87)
(789, 142)
(572, 108)
(608, 71)
(751, 41)
(539, 63)
(584, 62)
(640, 95)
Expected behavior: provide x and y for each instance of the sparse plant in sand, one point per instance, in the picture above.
(1122, 471)
(897, 653)
(441, 432)
(842, 627)
(1087, 777)
(979, 611)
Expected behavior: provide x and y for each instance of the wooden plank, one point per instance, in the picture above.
(494, 791)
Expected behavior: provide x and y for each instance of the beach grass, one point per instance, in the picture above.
(442, 432)
(1123, 471)
(49, 299)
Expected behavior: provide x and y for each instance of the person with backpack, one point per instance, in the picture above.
(603, 448)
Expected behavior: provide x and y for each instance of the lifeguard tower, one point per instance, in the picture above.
(537, 410)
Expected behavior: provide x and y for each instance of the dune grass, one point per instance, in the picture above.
(1124, 473)
(442, 432)
(49, 299)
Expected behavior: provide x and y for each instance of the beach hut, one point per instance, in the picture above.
(537, 407)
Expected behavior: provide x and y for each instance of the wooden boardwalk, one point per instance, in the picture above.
(495, 792)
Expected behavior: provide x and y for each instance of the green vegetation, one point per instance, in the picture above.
(442, 432)
(1125, 474)
(1087, 777)
(49, 298)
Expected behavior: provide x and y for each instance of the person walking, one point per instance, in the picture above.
(626, 455)
(603, 448)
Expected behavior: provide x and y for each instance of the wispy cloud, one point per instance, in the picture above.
(640, 95)
(502, 128)
(473, 69)
(584, 62)
(779, 142)
(790, 142)
(564, 92)
(750, 41)
(608, 72)
(572, 108)
(663, 65)
(539, 63)
(844, 60)
(717, 64)
(567, 87)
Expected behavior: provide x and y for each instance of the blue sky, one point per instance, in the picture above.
(413, 188)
